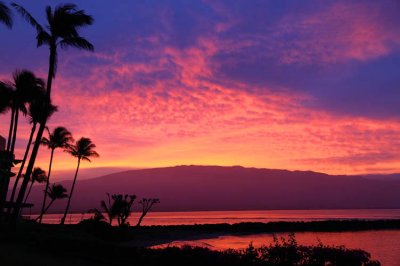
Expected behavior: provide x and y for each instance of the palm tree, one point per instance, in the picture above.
(24, 87)
(62, 31)
(55, 192)
(5, 99)
(38, 176)
(82, 150)
(5, 15)
(39, 111)
(59, 138)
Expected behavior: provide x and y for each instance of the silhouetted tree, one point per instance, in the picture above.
(117, 206)
(38, 176)
(6, 96)
(55, 192)
(110, 208)
(61, 31)
(147, 204)
(39, 111)
(59, 138)
(82, 150)
(24, 87)
(5, 15)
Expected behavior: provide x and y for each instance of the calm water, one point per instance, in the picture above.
(211, 217)
(383, 245)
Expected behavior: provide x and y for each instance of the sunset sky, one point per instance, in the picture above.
(299, 85)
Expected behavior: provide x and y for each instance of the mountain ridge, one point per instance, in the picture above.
(193, 187)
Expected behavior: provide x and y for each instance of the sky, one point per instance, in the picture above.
(298, 85)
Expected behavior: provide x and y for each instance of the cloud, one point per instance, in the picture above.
(298, 85)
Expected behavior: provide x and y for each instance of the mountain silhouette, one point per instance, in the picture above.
(194, 188)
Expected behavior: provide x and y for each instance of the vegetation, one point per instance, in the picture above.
(30, 95)
(117, 206)
(55, 192)
(38, 112)
(38, 176)
(77, 245)
(82, 150)
(61, 31)
(59, 138)
(5, 15)
(147, 204)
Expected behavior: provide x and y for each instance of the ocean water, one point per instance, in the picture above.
(211, 217)
(383, 245)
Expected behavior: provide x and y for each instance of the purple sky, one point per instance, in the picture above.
(280, 84)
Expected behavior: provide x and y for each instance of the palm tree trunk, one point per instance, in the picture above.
(25, 181)
(28, 146)
(48, 206)
(3, 180)
(45, 210)
(70, 194)
(14, 138)
(10, 129)
(29, 192)
(16, 211)
(47, 187)
(6, 181)
(52, 63)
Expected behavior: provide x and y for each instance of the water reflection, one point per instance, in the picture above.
(212, 217)
(383, 245)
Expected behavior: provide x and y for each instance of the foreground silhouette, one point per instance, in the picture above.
(85, 244)
(55, 192)
(117, 206)
(59, 138)
(82, 150)
(39, 111)
(5, 15)
(61, 31)
(38, 176)
(147, 204)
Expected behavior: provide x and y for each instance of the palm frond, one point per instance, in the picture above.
(83, 149)
(40, 110)
(5, 15)
(57, 192)
(43, 38)
(5, 97)
(80, 19)
(38, 175)
(77, 42)
(28, 17)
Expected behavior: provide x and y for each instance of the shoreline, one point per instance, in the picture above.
(97, 243)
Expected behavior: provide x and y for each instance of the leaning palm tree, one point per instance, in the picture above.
(82, 150)
(62, 31)
(55, 192)
(5, 15)
(38, 176)
(59, 138)
(39, 111)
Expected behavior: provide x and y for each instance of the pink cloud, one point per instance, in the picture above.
(340, 32)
